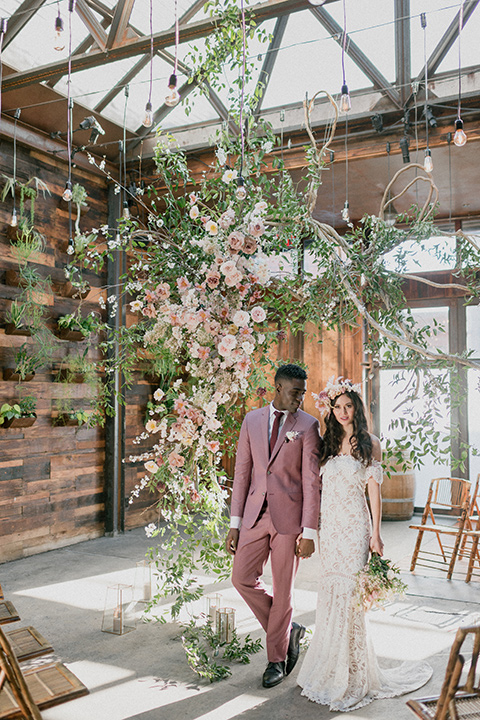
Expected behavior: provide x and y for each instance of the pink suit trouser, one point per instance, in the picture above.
(273, 611)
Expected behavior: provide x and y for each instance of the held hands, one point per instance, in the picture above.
(231, 541)
(376, 544)
(304, 548)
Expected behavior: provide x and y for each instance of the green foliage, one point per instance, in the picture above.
(25, 407)
(74, 321)
(202, 646)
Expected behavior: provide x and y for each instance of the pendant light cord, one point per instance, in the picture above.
(423, 20)
(242, 96)
(151, 54)
(177, 38)
(344, 41)
(460, 26)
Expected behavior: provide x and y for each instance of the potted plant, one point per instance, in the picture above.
(20, 414)
(25, 366)
(28, 192)
(74, 327)
(73, 417)
(74, 287)
(15, 323)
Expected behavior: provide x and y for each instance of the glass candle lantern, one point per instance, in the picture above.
(118, 615)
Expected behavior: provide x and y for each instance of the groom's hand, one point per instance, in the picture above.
(305, 548)
(232, 541)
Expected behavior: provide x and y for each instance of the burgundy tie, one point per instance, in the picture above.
(276, 425)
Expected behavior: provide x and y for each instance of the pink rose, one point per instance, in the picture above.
(233, 278)
(163, 291)
(249, 245)
(150, 296)
(212, 278)
(256, 227)
(149, 311)
(258, 314)
(241, 318)
(235, 240)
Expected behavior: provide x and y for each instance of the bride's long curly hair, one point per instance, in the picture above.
(360, 441)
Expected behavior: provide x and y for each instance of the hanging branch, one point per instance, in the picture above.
(428, 206)
(316, 158)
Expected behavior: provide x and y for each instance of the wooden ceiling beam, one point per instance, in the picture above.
(140, 46)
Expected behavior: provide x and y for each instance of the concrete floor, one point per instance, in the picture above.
(144, 675)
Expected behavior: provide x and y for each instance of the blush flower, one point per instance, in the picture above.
(241, 318)
(227, 218)
(182, 284)
(213, 446)
(151, 466)
(235, 240)
(151, 426)
(256, 227)
(226, 345)
(163, 291)
(194, 212)
(249, 245)
(175, 460)
(158, 395)
(211, 227)
(258, 314)
(212, 279)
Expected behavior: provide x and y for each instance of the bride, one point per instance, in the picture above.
(340, 668)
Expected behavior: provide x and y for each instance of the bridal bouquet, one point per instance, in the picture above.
(378, 582)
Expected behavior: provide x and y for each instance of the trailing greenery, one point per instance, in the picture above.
(203, 645)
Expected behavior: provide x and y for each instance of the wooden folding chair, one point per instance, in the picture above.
(474, 560)
(445, 496)
(456, 701)
(22, 695)
(27, 643)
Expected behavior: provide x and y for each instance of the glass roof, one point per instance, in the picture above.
(308, 60)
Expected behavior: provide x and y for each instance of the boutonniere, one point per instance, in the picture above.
(291, 436)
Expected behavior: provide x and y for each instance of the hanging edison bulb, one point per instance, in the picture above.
(459, 137)
(345, 102)
(173, 97)
(428, 162)
(14, 219)
(346, 212)
(241, 192)
(148, 117)
(67, 193)
(59, 42)
(125, 211)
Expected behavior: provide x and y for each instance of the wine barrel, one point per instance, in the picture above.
(398, 494)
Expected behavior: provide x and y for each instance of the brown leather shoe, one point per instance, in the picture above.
(274, 674)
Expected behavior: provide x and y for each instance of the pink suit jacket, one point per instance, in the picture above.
(289, 478)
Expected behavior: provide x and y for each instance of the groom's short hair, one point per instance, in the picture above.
(290, 372)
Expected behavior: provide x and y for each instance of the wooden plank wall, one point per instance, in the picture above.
(51, 477)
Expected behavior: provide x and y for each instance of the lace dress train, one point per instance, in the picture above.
(340, 668)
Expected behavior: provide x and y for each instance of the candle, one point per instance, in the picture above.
(117, 620)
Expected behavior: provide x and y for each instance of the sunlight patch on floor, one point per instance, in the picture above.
(234, 707)
(121, 700)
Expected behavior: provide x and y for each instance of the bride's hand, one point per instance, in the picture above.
(376, 544)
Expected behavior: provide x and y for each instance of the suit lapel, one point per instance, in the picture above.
(287, 426)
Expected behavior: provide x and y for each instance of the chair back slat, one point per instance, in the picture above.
(449, 493)
(18, 686)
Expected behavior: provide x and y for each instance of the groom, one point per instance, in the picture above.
(275, 500)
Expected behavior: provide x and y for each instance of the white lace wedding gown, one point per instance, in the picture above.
(340, 668)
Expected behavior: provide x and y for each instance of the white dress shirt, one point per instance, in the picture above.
(236, 520)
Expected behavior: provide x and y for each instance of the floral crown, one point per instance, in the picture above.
(334, 388)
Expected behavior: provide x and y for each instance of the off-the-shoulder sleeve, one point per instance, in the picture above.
(375, 472)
